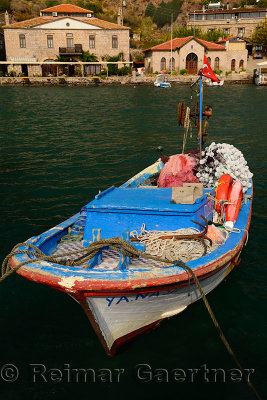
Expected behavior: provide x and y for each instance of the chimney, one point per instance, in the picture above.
(6, 18)
(227, 5)
(119, 16)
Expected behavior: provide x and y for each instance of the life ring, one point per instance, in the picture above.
(222, 192)
(232, 209)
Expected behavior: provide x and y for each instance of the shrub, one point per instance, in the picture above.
(124, 71)
(12, 73)
(228, 73)
(183, 71)
(217, 71)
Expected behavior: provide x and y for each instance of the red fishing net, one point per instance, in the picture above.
(178, 170)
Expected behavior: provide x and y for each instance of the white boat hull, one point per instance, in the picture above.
(120, 316)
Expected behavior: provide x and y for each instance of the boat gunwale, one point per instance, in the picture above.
(122, 280)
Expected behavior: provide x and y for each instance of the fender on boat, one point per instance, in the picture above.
(234, 198)
(222, 192)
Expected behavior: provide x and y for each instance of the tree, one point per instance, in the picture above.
(150, 10)
(259, 37)
(89, 57)
(4, 5)
(51, 3)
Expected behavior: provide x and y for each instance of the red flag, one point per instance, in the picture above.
(207, 71)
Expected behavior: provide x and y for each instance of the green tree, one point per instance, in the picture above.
(262, 4)
(89, 57)
(259, 37)
(93, 7)
(4, 5)
(150, 10)
(51, 3)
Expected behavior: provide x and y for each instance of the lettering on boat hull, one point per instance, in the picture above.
(127, 315)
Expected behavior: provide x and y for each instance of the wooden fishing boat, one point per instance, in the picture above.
(126, 291)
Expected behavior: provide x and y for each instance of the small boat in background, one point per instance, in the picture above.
(161, 81)
(260, 77)
(211, 83)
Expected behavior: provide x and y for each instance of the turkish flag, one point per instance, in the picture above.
(207, 71)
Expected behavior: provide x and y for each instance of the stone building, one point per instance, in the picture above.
(188, 52)
(237, 53)
(241, 22)
(64, 31)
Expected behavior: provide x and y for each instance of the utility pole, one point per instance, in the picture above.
(194, 23)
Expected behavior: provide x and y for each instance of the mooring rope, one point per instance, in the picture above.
(127, 249)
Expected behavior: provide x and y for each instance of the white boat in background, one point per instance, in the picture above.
(260, 77)
(210, 83)
(161, 81)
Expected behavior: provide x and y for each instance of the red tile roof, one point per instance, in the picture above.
(232, 37)
(67, 8)
(101, 23)
(179, 42)
(30, 23)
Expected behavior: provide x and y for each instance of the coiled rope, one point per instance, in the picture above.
(129, 250)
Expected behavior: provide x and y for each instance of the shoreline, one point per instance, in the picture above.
(234, 78)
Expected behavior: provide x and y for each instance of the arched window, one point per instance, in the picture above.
(233, 65)
(172, 64)
(209, 60)
(217, 63)
(241, 64)
(163, 64)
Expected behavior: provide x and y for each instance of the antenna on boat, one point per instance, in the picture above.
(200, 138)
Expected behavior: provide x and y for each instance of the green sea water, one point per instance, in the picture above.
(59, 147)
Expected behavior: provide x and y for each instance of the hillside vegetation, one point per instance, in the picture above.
(149, 19)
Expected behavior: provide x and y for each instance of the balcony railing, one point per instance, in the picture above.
(76, 50)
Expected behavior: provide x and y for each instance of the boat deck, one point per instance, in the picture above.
(110, 258)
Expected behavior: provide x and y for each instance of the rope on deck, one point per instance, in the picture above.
(127, 249)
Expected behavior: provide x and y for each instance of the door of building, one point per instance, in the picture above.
(191, 64)
(24, 69)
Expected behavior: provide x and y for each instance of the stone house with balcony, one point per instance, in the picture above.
(64, 31)
(239, 21)
(188, 53)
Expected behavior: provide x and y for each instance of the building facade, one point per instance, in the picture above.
(241, 22)
(188, 53)
(62, 32)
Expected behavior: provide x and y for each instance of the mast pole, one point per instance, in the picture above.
(171, 40)
(200, 116)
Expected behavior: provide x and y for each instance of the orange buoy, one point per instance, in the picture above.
(234, 198)
(222, 192)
